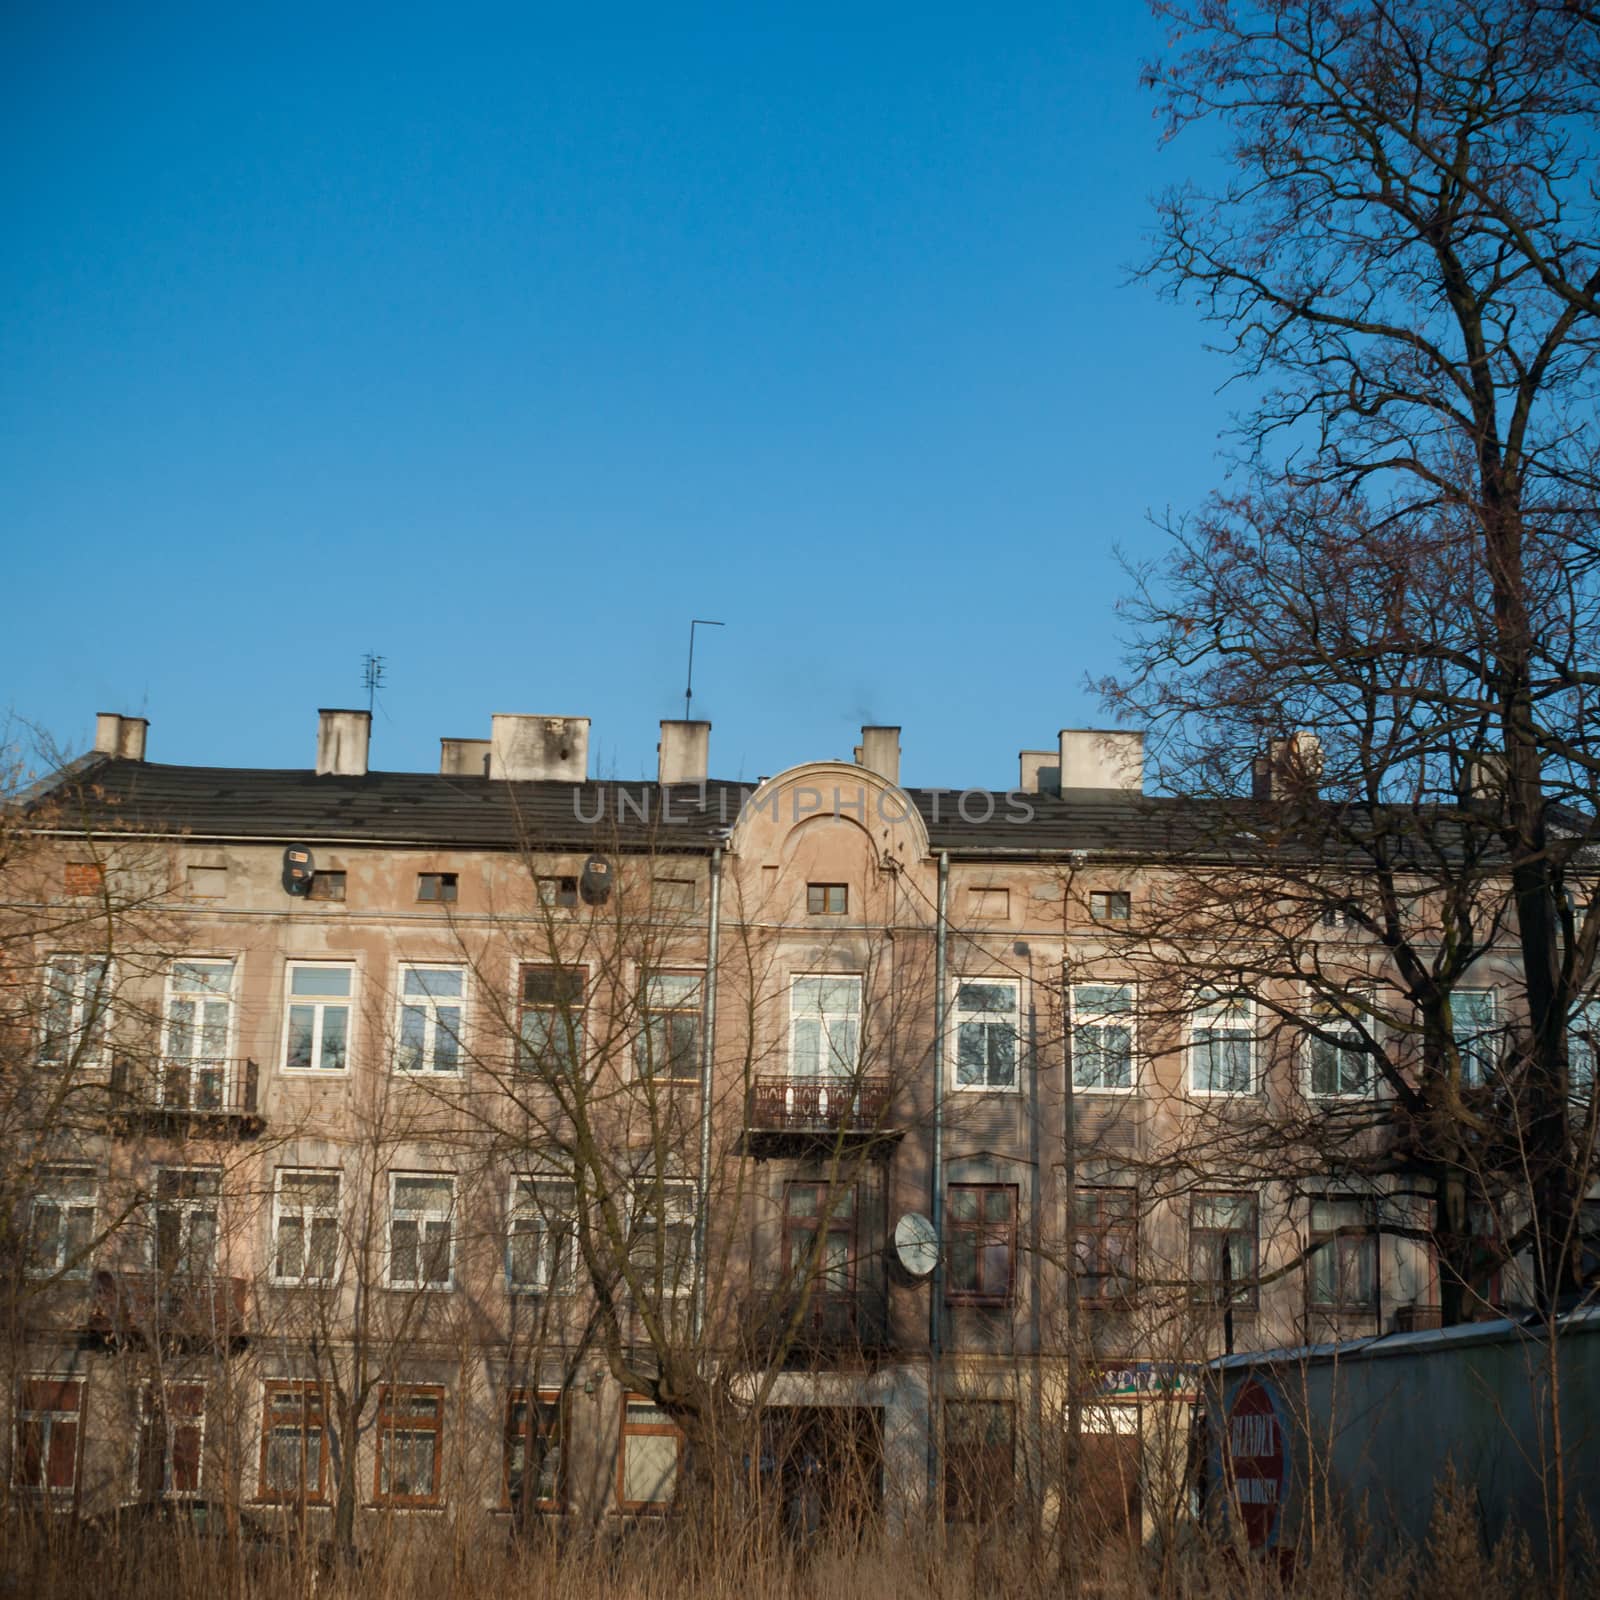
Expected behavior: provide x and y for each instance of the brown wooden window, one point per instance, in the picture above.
(981, 1224)
(649, 1456)
(552, 1019)
(326, 886)
(172, 1437)
(980, 1453)
(809, 1210)
(1110, 905)
(410, 1444)
(532, 1460)
(669, 1034)
(294, 1445)
(827, 899)
(560, 892)
(83, 877)
(1222, 1247)
(45, 1459)
(436, 886)
(1106, 1245)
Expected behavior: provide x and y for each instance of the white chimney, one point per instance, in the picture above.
(527, 748)
(1041, 771)
(1093, 758)
(1291, 766)
(684, 752)
(879, 751)
(342, 739)
(117, 735)
(464, 758)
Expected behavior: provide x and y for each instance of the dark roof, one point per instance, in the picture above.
(423, 808)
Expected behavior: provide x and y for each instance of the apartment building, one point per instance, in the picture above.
(505, 1143)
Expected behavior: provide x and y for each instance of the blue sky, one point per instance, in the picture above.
(503, 341)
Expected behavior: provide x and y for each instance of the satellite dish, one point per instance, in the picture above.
(595, 884)
(916, 1245)
(297, 869)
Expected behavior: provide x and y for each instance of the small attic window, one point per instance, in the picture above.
(440, 886)
(1110, 905)
(827, 899)
(557, 891)
(327, 886)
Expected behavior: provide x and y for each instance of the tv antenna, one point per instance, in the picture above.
(688, 693)
(371, 677)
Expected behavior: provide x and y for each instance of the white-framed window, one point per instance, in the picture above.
(183, 1242)
(1583, 1048)
(197, 1042)
(986, 1029)
(1102, 1037)
(421, 1230)
(669, 1032)
(824, 1025)
(661, 1234)
(432, 1010)
(1222, 1053)
(316, 1033)
(1337, 1067)
(77, 1007)
(305, 1225)
(542, 1235)
(61, 1228)
(47, 1438)
(1473, 1024)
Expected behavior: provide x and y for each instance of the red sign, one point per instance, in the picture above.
(1258, 1461)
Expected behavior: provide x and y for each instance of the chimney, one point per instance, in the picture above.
(120, 736)
(1094, 758)
(879, 751)
(528, 749)
(1291, 766)
(342, 738)
(1041, 771)
(464, 758)
(684, 752)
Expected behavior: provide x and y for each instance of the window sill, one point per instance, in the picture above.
(979, 1302)
(434, 1508)
(985, 1088)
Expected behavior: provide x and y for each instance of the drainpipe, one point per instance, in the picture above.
(708, 1036)
(936, 1208)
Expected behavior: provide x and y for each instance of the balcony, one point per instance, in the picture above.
(190, 1096)
(168, 1312)
(794, 1116)
(833, 1329)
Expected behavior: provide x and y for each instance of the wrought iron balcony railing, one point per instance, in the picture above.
(819, 1105)
(168, 1310)
(191, 1092)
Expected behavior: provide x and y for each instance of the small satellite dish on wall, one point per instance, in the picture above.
(297, 869)
(595, 884)
(916, 1245)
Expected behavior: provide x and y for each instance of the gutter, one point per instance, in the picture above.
(936, 1207)
(708, 1035)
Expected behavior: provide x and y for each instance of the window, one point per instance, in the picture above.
(1486, 1277)
(1106, 1244)
(1110, 905)
(980, 1454)
(557, 892)
(431, 1009)
(77, 1003)
(184, 1243)
(44, 1456)
(199, 1035)
(436, 886)
(305, 1226)
(811, 1210)
(661, 1240)
(1102, 1036)
(1583, 1043)
(1222, 1047)
(673, 894)
(533, 1450)
(326, 886)
(649, 1457)
(1337, 1067)
(294, 1445)
(207, 883)
(1222, 1247)
(669, 1040)
(552, 1019)
(83, 877)
(827, 899)
(317, 1029)
(541, 1237)
(170, 1459)
(410, 1444)
(1336, 918)
(824, 1026)
(981, 1228)
(1472, 1019)
(1342, 1265)
(989, 905)
(421, 1207)
(986, 1034)
(61, 1229)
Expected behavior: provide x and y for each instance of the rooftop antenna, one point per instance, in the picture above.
(371, 677)
(688, 693)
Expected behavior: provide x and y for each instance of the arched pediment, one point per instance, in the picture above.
(840, 793)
